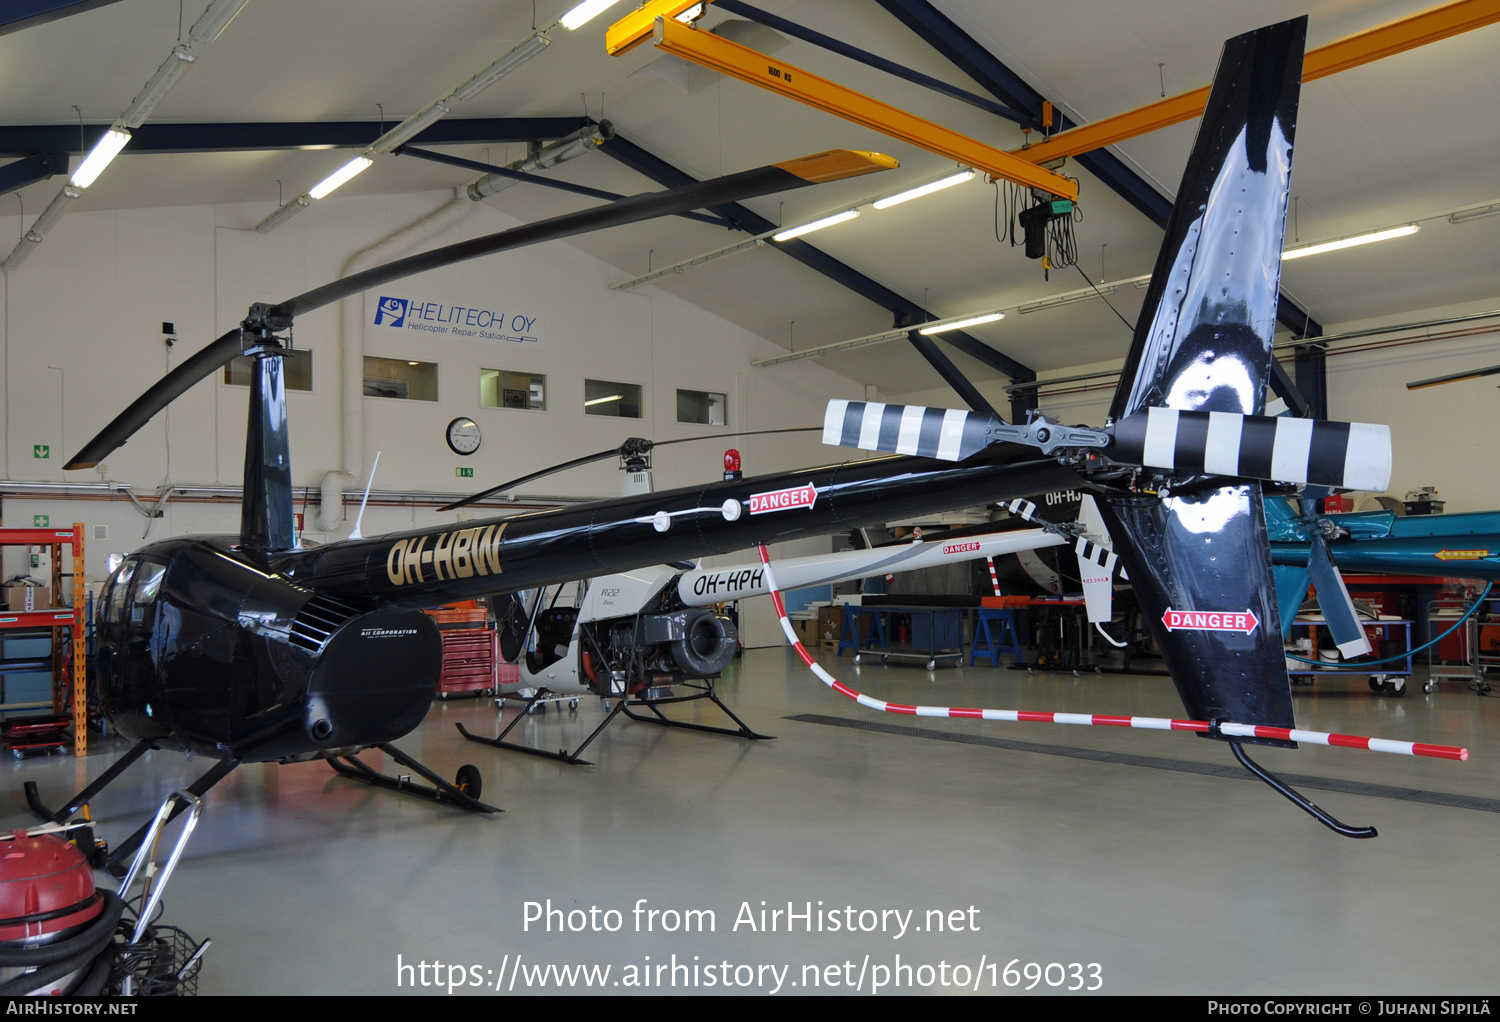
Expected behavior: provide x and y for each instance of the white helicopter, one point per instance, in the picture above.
(655, 636)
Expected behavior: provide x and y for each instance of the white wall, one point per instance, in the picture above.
(92, 299)
(1441, 436)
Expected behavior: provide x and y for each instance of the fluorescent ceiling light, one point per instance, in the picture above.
(927, 189)
(282, 215)
(603, 400)
(215, 19)
(938, 328)
(1067, 299)
(54, 211)
(502, 67)
(1474, 214)
(1358, 239)
(106, 149)
(411, 127)
(339, 176)
(585, 12)
(816, 225)
(173, 68)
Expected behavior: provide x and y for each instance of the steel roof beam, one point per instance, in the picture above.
(874, 60)
(24, 140)
(536, 179)
(906, 312)
(31, 169)
(17, 15)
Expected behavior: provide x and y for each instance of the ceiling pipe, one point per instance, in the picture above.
(352, 353)
(584, 140)
(352, 309)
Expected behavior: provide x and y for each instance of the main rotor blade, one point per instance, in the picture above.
(509, 483)
(1334, 601)
(1472, 374)
(589, 458)
(834, 165)
(162, 393)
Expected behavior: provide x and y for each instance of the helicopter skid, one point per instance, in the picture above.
(623, 705)
(440, 792)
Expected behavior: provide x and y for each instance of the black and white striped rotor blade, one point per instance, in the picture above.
(1334, 600)
(946, 433)
(1100, 557)
(1096, 572)
(1023, 509)
(1347, 455)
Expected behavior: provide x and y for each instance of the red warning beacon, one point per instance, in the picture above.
(732, 464)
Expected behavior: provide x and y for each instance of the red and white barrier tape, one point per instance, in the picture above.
(1100, 720)
(994, 580)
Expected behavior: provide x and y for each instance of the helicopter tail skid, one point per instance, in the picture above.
(462, 793)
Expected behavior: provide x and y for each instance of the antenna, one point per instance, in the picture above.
(363, 500)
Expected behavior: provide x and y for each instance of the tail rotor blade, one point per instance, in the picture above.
(166, 390)
(1348, 455)
(1333, 599)
(945, 433)
(1096, 569)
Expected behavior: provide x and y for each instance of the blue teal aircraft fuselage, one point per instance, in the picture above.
(1444, 546)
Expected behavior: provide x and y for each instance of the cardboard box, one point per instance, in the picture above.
(24, 597)
(831, 625)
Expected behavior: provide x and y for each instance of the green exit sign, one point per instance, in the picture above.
(41, 451)
(41, 521)
(465, 473)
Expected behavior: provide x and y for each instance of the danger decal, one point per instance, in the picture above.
(960, 548)
(784, 500)
(1244, 622)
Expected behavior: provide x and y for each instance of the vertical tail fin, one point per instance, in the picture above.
(1200, 563)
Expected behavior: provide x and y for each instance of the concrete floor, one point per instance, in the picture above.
(1133, 878)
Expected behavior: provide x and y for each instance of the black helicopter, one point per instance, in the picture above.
(244, 649)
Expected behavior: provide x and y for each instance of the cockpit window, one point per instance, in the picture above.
(119, 587)
(143, 593)
(147, 583)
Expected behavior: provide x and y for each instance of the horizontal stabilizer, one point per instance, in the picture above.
(946, 433)
(1349, 455)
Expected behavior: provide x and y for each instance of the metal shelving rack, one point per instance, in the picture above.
(1472, 668)
(1378, 672)
(69, 688)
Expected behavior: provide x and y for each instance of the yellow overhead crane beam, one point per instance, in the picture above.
(635, 28)
(748, 65)
(656, 19)
(1397, 37)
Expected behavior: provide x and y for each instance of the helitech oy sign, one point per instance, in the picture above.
(1242, 621)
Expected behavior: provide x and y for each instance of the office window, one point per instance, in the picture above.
(501, 389)
(398, 378)
(296, 370)
(700, 406)
(604, 397)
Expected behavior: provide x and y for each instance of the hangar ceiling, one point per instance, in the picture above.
(1402, 139)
